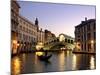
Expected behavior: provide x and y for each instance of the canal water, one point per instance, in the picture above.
(60, 61)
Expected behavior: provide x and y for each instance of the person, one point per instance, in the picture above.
(41, 49)
(46, 52)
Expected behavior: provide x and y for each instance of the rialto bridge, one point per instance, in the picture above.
(61, 42)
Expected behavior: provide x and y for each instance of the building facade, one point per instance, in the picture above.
(14, 25)
(24, 33)
(40, 32)
(27, 34)
(85, 36)
(49, 36)
(41, 36)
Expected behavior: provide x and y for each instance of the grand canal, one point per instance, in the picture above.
(60, 61)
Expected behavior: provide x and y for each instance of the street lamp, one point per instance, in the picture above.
(18, 44)
(14, 42)
(92, 41)
(77, 45)
(14, 46)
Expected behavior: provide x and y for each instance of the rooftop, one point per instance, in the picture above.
(85, 22)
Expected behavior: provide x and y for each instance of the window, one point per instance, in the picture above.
(94, 26)
(88, 36)
(94, 36)
(85, 46)
(78, 40)
(71, 41)
(23, 22)
(65, 40)
(23, 28)
(88, 27)
(78, 44)
(82, 46)
(89, 47)
(23, 37)
(78, 36)
(78, 30)
(19, 35)
(84, 37)
(57, 40)
(84, 29)
(20, 27)
(68, 41)
(94, 46)
(20, 21)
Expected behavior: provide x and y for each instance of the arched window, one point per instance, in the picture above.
(68, 40)
(65, 40)
(57, 40)
(71, 41)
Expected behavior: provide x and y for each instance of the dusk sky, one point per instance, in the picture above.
(58, 18)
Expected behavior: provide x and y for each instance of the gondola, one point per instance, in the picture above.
(45, 58)
(41, 53)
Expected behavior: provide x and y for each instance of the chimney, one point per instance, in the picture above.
(41, 29)
(85, 18)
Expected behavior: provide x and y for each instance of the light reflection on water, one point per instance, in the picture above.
(16, 66)
(61, 61)
(74, 62)
(92, 62)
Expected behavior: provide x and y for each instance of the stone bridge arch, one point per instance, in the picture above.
(61, 41)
